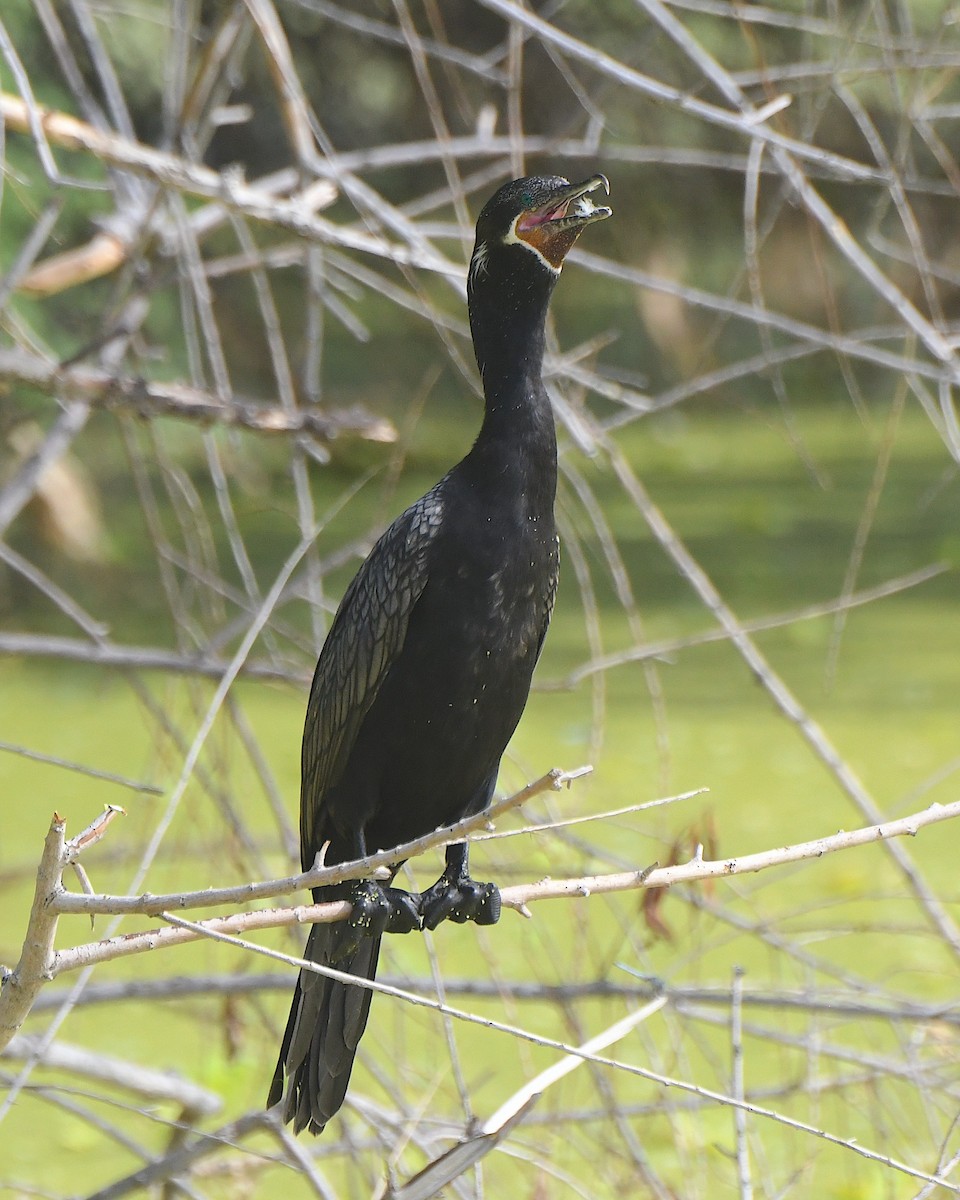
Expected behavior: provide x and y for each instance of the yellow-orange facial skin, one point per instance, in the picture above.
(551, 230)
(553, 245)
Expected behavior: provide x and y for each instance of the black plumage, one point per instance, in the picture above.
(427, 666)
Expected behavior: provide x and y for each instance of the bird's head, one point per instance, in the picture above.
(539, 215)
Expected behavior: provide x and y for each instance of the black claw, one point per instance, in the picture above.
(490, 906)
(436, 905)
(460, 900)
(405, 915)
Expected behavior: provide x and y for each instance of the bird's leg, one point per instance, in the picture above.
(457, 897)
(379, 909)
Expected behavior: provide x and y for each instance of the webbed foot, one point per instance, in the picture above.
(457, 897)
(378, 909)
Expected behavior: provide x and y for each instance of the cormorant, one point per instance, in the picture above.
(426, 668)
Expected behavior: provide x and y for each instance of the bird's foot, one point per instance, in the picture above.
(457, 897)
(378, 910)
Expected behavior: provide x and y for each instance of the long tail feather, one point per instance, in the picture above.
(326, 1022)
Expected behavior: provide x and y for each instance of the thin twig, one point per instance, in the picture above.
(737, 1088)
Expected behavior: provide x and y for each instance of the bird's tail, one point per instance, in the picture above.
(326, 1022)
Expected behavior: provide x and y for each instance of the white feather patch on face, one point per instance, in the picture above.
(478, 264)
(512, 238)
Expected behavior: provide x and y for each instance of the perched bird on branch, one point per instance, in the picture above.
(427, 665)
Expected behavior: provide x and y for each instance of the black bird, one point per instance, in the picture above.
(427, 665)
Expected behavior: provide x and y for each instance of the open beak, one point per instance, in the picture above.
(552, 228)
(569, 207)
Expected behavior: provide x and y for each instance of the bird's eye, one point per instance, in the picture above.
(526, 200)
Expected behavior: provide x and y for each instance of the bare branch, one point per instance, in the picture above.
(180, 1159)
(780, 693)
(680, 996)
(517, 897)
(106, 776)
(18, 491)
(20, 987)
(148, 398)
(664, 649)
(148, 658)
(144, 1081)
(193, 179)
(595, 58)
(476, 1143)
(320, 876)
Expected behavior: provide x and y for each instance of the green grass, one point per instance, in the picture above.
(772, 540)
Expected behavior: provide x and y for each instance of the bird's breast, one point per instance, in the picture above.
(502, 582)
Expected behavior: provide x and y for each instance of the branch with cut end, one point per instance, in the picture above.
(20, 987)
(518, 897)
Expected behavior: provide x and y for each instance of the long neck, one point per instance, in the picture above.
(508, 308)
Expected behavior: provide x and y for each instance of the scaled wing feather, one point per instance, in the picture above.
(366, 635)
